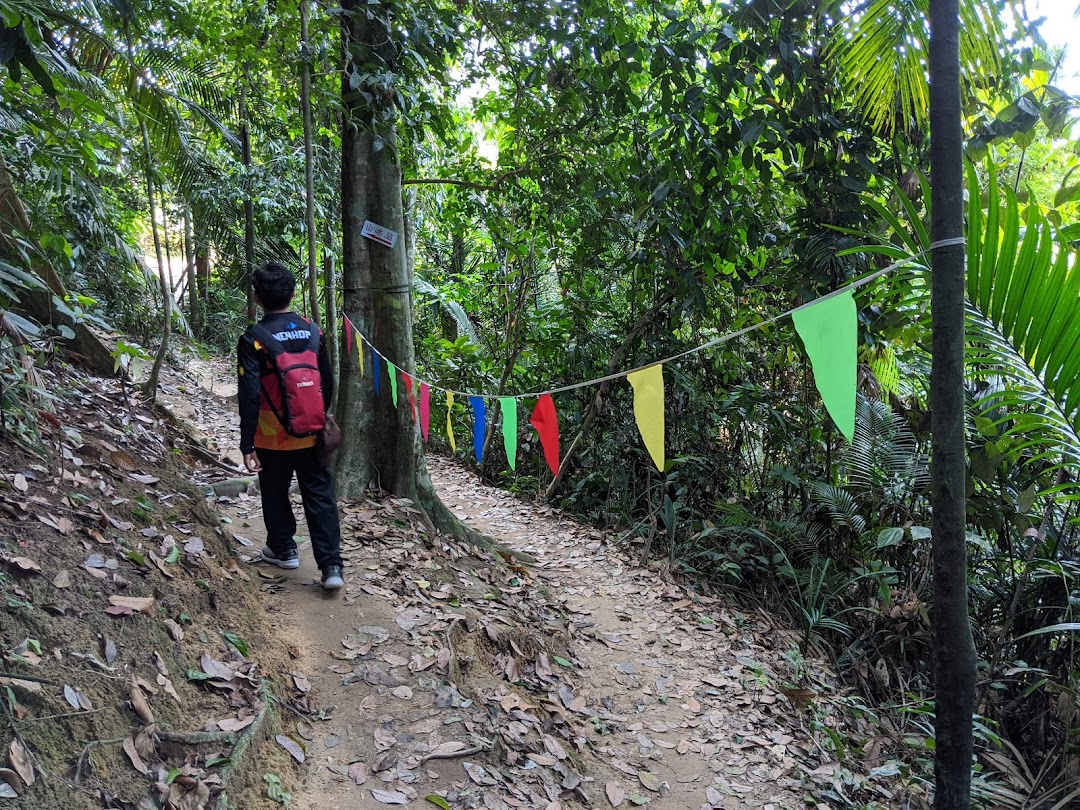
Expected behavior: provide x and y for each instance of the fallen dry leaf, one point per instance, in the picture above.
(615, 794)
(175, 630)
(11, 786)
(140, 704)
(301, 682)
(216, 669)
(62, 579)
(124, 461)
(22, 563)
(20, 762)
(133, 755)
(359, 772)
(390, 796)
(649, 780)
(233, 724)
(136, 604)
(292, 746)
(20, 482)
(167, 685)
(384, 739)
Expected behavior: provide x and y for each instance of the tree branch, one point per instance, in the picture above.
(493, 186)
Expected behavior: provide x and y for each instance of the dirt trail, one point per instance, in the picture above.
(586, 676)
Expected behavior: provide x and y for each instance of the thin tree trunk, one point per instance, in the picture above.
(150, 389)
(331, 330)
(309, 165)
(189, 258)
(249, 204)
(954, 649)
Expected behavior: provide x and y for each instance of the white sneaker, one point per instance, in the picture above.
(288, 560)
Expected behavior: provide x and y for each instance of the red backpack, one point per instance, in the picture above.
(293, 387)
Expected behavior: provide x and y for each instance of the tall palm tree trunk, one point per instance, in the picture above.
(954, 649)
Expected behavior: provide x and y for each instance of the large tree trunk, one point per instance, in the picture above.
(309, 165)
(40, 305)
(382, 449)
(954, 649)
(383, 446)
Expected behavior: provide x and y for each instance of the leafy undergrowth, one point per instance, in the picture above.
(128, 628)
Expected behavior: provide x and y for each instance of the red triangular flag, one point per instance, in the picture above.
(425, 409)
(348, 335)
(409, 395)
(547, 425)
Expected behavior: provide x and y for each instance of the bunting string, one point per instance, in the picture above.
(846, 289)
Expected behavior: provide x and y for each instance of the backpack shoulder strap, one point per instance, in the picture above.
(266, 338)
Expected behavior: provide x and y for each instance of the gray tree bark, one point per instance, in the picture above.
(150, 388)
(382, 447)
(249, 203)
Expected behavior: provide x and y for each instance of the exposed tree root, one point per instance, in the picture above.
(198, 737)
(446, 522)
(243, 745)
(465, 752)
(84, 757)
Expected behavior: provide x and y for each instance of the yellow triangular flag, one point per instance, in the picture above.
(648, 387)
(449, 425)
(360, 351)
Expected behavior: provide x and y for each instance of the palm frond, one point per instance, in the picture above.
(880, 49)
(1023, 339)
(455, 310)
(841, 505)
(883, 456)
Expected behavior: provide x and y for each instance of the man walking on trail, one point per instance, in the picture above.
(284, 393)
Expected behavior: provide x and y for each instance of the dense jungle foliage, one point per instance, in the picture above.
(595, 185)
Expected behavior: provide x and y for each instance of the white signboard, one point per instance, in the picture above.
(377, 233)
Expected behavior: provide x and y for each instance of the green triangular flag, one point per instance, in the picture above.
(392, 370)
(509, 422)
(829, 331)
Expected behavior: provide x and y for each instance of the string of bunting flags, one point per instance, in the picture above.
(828, 327)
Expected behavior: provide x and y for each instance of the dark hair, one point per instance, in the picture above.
(275, 284)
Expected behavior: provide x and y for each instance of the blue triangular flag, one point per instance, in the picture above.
(375, 370)
(479, 423)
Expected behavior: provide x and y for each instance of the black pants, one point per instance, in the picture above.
(320, 505)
